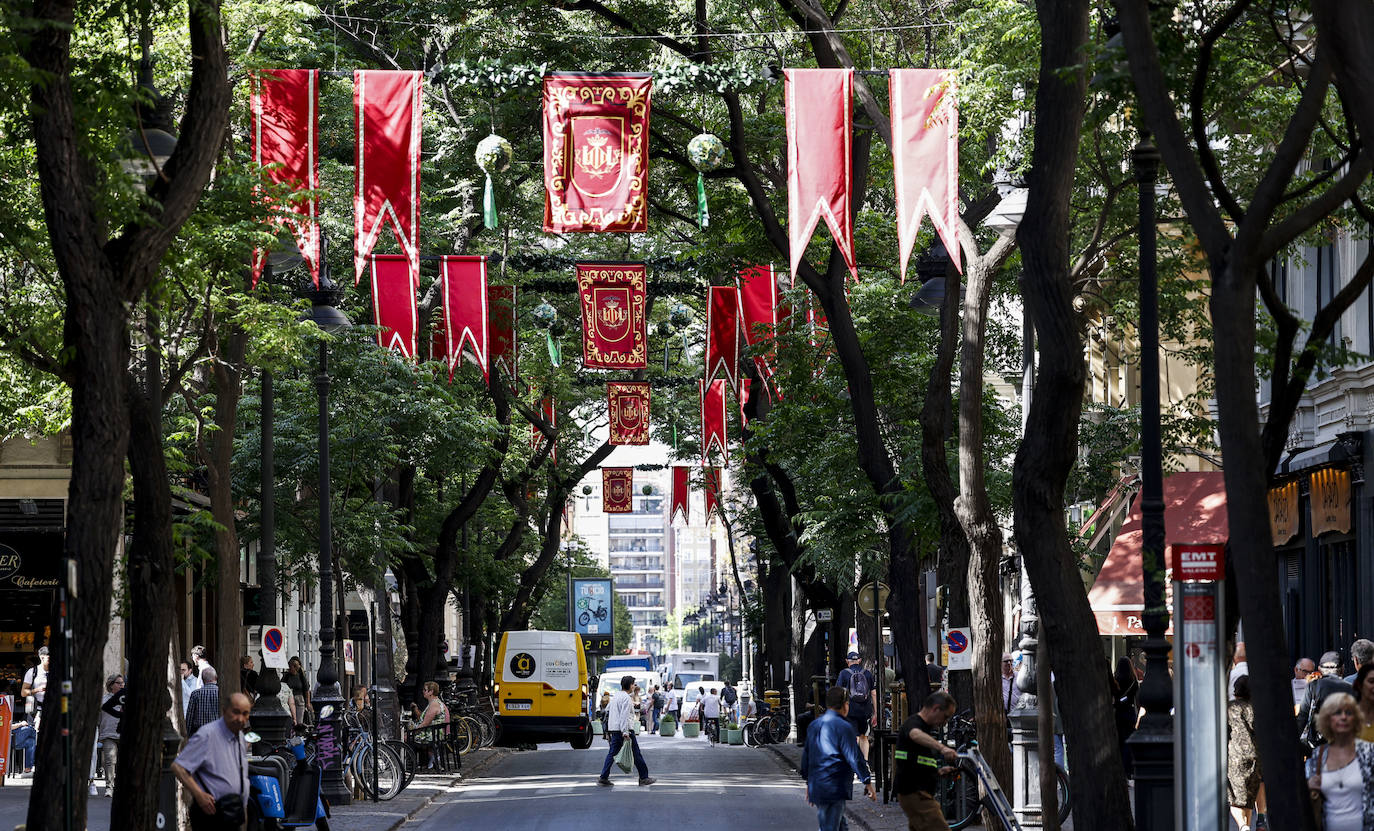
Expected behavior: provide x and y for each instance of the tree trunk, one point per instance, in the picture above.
(1050, 445)
(982, 532)
(227, 376)
(775, 585)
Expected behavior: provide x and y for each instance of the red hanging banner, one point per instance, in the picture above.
(386, 105)
(504, 350)
(713, 436)
(465, 310)
(393, 303)
(614, 333)
(925, 157)
(682, 494)
(617, 490)
(629, 411)
(713, 494)
(596, 152)
(722, 334)
(744, 386)
(758, 301)
(820, 115)
(286, 105)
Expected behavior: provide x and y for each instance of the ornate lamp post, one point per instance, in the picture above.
(1152, 745)
(324, 312)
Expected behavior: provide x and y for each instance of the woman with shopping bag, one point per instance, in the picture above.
(620, 720)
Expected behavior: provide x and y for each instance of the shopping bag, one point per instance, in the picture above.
(625, 758)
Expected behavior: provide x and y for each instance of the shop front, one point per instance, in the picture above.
(31, 538)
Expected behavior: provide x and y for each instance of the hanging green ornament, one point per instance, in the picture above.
(706, 152)
(544, 315)
(552, 336)
(494, 155)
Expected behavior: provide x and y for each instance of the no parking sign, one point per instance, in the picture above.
(273, 647)
(959, 647)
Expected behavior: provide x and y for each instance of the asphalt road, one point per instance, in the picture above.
(698, 786)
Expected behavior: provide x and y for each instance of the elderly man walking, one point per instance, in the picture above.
(203, 707)
(831, 760)
(213, 768)
(619, 716)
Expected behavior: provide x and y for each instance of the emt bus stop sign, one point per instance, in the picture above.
(873, 598)
(273, 647)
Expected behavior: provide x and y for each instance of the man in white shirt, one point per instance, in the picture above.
(710, 715)
(190, 682)
(1009, 691)
(1302, 670)
(619, 716)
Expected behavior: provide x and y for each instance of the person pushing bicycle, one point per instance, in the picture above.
(918, 756)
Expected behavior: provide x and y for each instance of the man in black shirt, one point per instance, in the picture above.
(935, 674)
(918, 756)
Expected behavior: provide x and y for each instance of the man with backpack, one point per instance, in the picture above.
(863, 699)
(730, 698)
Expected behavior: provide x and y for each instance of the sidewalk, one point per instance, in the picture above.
(870, 816)
(359, 816)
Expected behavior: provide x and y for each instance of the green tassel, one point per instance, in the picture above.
(555, 351)
(489, 207)
(665, 356)
(703, 213)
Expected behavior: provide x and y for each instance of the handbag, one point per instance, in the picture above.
(625, 758)
(1318, 798)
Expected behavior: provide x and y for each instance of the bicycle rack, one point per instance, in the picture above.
(994, 796)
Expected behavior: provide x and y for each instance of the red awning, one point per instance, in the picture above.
(1194, 512)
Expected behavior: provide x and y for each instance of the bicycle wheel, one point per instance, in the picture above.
(1065, 794)
(958, 795)
(584, 618)
(460, 734)
(751, 738)
(410, 760)
(390, 773)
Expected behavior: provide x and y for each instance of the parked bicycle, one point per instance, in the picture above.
(766, 728)
(388, 776)
(959, 793)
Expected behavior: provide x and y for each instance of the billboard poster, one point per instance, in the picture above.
(591, 615)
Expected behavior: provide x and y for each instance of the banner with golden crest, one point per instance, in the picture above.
(617, 490)
(1329, 501)
(614, 333)
(629, 411)
(596, 152)
(1283, 512)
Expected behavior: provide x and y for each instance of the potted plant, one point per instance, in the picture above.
(691, 729)
(667, 725)
(733, 733)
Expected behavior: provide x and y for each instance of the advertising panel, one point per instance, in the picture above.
(590, 602)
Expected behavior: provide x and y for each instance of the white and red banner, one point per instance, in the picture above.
(393, 303)
(617, 490)
(682, 494)
(713, 436)
(466, 313)
(925, 157)
(722, 334)
(614, 299)
(386, 105)
(628, 408)
(504, 349)
(286, 106)
(820, 122)
(596, 152)
(713, 494)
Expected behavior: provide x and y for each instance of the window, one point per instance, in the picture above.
(1328, 283)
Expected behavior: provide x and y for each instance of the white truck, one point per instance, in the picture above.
(684, 668)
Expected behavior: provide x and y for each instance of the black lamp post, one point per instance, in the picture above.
(1152, 745)
(324, 313)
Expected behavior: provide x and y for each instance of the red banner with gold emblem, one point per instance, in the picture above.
(393, 303)
(925, 157)
(614, 297)
(722, 334)
(617, 490)
(682, 494)
(819, 105)
(596, 152)
(465, 310)
(285, 105)
(504, 350)
(629, 411)
(713, 435)
(712, 476)
(386, 105)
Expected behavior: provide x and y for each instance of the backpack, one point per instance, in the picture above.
(658, 701)
(859, 689)
(730, 695)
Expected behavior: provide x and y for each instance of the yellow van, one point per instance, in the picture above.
(541, 688)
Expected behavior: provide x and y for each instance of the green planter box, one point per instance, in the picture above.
(667, 728)
(691, 729)
(734, 737)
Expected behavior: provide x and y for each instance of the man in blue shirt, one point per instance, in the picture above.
(830, 762)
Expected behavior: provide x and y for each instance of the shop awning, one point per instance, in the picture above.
(1194, 511)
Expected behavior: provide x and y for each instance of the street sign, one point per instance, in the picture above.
(358, 627)
(350, 662)
(873, 596)
(825, 615)
(960, 649)
(273, 647)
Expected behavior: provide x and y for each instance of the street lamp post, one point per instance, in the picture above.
(324, 312)
(1152, 744)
